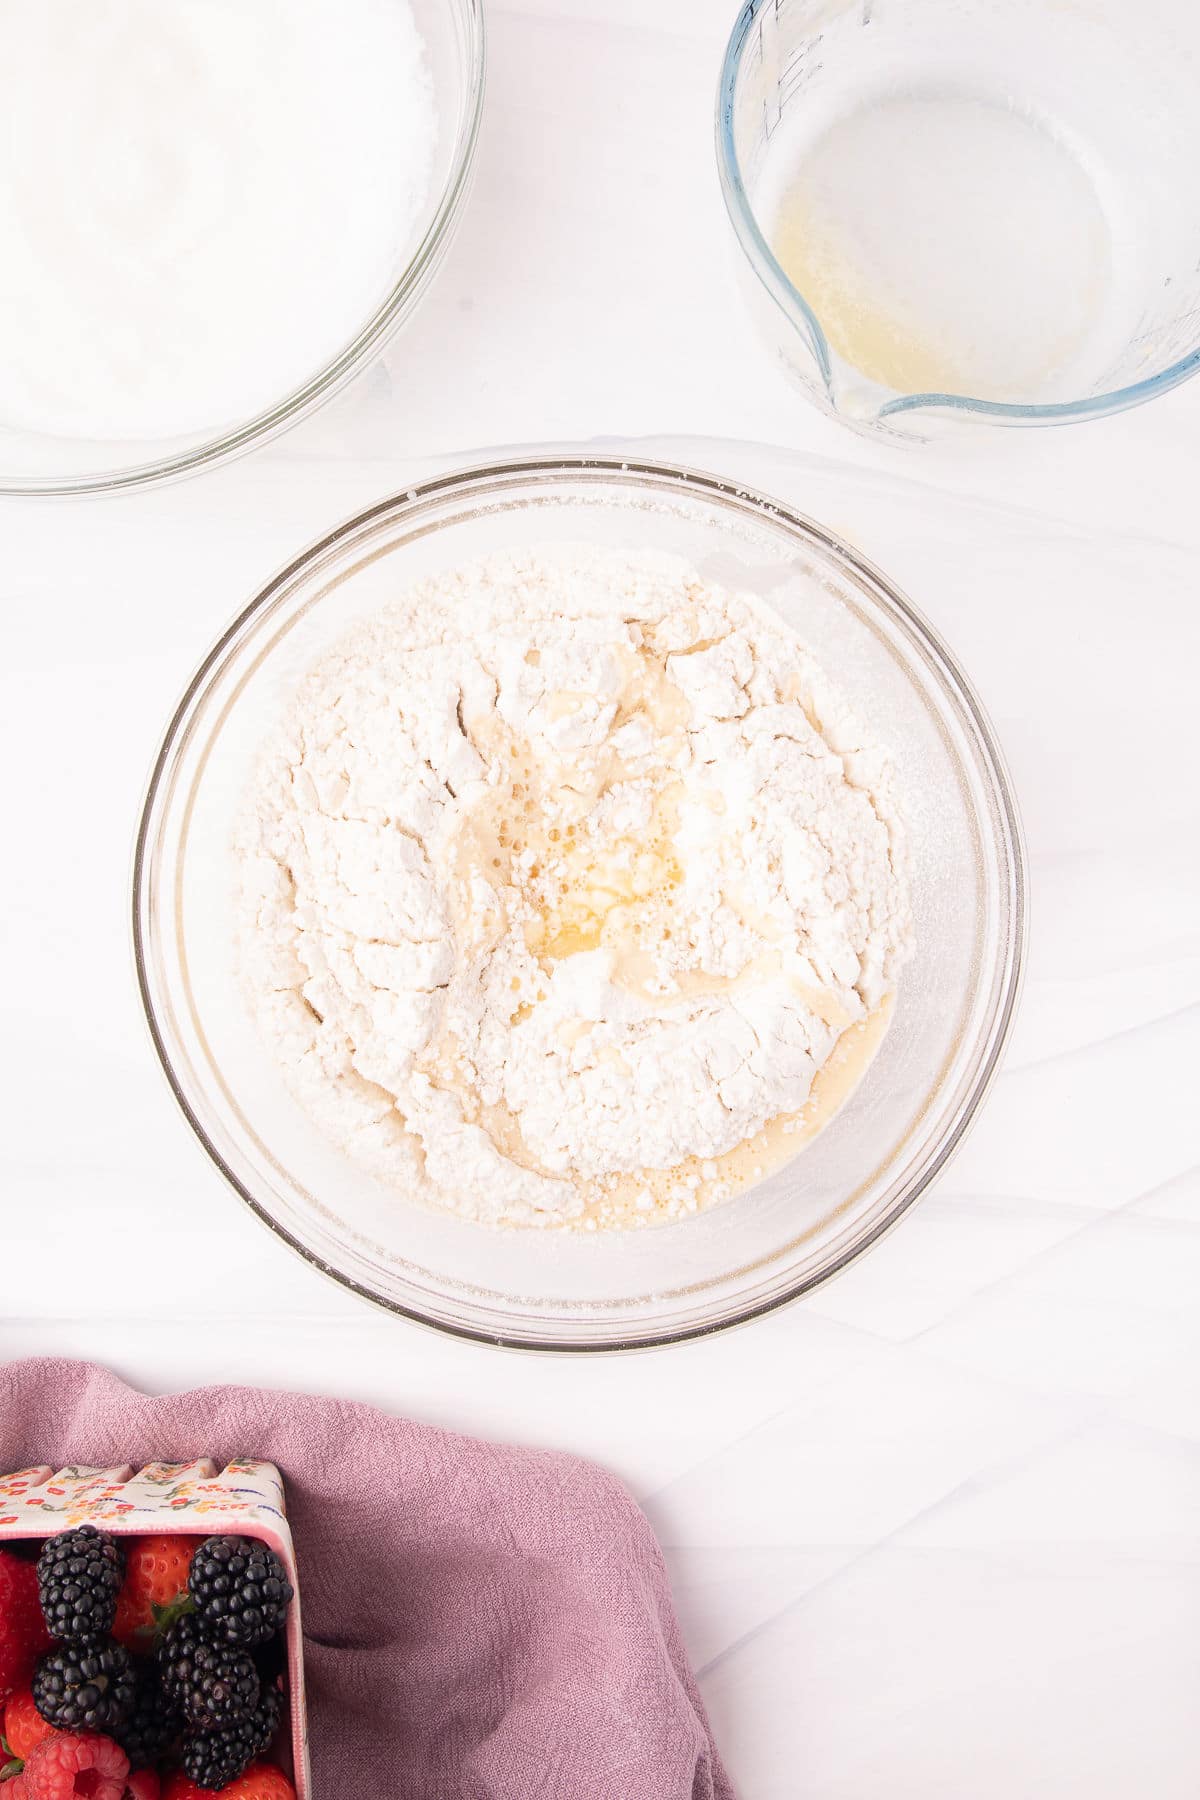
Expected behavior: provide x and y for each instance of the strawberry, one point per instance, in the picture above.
(261, 1781)
(23, 1634)
(142, 1784)
(24, 1726)
(155, 1589)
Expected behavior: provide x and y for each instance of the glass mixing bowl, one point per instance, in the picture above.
(564, 1289)
(453, 33)
(1036, 167)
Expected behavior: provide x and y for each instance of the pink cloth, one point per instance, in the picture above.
(481, 1622)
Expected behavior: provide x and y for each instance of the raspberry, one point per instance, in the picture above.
(155, 1585)
(24, 1726)
(23, 1635)
(79, 1573)
(262, 1781)
(70, 1764)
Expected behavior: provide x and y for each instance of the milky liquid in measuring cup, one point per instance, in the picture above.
(947, 244)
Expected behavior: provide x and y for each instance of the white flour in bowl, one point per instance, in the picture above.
(202, 203)
(571, 891)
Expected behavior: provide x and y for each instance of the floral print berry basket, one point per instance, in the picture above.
(196, 1498)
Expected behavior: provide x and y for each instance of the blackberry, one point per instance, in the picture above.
(266, 1719)
(153, 1723)
(79, 1575)
(175, 1651)
(215, 1758)
(240, 1588)
(88, 1686)
(213, 1685)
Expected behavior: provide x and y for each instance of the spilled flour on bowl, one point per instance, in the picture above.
(571, 891)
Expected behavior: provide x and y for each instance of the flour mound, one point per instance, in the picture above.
(563, 878)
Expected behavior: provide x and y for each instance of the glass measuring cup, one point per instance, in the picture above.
(1024, 164)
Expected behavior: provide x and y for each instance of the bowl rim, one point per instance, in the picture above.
(800, 315)
(749, 501)
(371, 337)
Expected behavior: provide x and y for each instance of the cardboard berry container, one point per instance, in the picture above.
(193, 1499)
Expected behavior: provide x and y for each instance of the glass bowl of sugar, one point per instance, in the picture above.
(428, 759)
(954, 212)
(218, 216)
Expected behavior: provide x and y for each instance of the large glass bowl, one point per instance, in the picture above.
(561, 1289)
(453, 34)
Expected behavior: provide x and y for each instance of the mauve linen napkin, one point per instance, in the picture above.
(481, 1622)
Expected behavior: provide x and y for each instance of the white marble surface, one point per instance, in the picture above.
(934, 1533)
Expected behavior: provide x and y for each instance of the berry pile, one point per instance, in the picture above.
(144, 1670)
